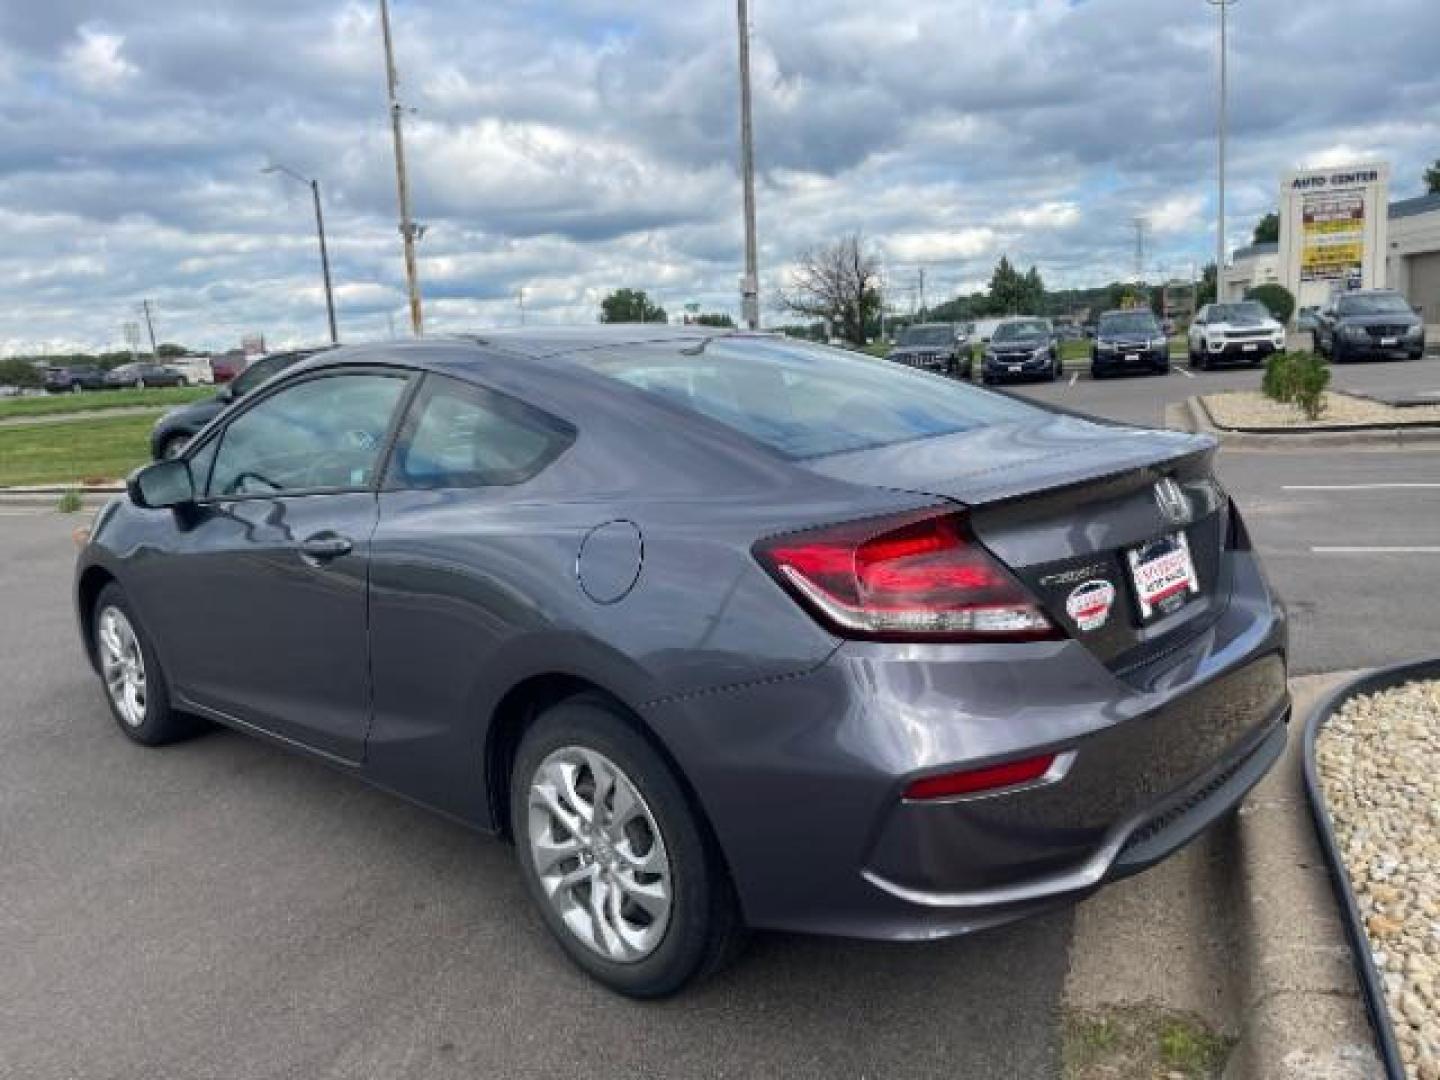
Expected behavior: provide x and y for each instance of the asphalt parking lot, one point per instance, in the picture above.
(221, 908)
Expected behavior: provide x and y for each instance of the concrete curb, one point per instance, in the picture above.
(1192, 416)
(1302, 1016)
(49, 497)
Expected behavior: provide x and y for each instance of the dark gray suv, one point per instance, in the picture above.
(1373, 324)
(722, 630)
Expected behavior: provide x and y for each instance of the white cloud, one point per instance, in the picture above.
(940, 246)
(1049, 215)
(94, 60)
(1178, 214)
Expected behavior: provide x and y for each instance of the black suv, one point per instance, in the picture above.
(71, 380)
(174, 430)
(940, 347)
(1129, 341)
(1373, 324)
(1022, 348)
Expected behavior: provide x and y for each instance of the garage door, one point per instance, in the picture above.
(1424, 291)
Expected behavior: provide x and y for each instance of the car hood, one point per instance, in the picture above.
(1006, 460)
(1390, 318)
(1019, 344)
(1246, 324)
(943, 347)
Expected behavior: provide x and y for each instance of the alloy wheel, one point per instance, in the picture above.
(123, 665)
(599, 854)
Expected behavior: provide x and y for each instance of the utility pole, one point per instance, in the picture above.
(314, 186)
(150, 326)
(922, 292)
(1141, 224)
(1224, 6)
(520, 299)
(409, 231)
(750, 284)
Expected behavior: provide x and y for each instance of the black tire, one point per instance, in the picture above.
(1163, 369)
(160, 724)
(704, 930)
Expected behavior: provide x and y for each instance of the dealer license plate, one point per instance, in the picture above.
(1014, 369)
(1132, 358)
(1164, 575)
(1249, 348)
(1389, 342)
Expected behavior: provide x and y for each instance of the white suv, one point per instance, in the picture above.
(1239, 332)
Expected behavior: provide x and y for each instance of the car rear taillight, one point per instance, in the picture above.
(912, 577)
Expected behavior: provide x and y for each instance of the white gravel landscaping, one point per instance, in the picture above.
(1379, 765)
(1250, 408)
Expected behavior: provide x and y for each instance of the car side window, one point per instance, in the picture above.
(323, 434)
(459, 435)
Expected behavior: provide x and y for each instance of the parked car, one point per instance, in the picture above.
(1130, 340)
(982, 330)
(1369, 324)
(226, 366)
(1022, 348)
(141, 375)
(938, 347)
(173, 431)
(73, 380)
(195, 370)
(719, 628)
(1307, 318)
(1241, 331)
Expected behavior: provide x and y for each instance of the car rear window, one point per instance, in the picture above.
(804, 400)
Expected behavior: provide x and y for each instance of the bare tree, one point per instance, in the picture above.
(838, 282)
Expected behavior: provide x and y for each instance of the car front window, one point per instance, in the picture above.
(322, 434)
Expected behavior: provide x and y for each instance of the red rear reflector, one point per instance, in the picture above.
(915, 576)
(971, 781)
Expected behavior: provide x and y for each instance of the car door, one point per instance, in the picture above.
(264, 613)
(469, 556)
(1197, 328)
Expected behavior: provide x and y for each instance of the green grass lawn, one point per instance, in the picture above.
(103, 448)
(94, 400)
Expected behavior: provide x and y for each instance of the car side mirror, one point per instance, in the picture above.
(162, 485)
(226, 394)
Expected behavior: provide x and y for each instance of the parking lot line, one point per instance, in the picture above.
(1074, 378)
(1183, 370)
(1387, 486)
(1376, 550)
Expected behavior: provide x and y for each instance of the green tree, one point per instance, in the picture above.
(630, 306)
(1206, 293)
(721, 320)
(1007, 289)
(17, 372)
(169, 350)
(1267, 229)
(1432, 179)
(1032, 293)
(1277, 299)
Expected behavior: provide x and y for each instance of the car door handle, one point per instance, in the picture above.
(325, 546)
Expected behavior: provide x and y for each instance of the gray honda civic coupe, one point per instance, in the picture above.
(721, 630)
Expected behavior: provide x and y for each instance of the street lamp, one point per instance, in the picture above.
(314, 186)
(1224, 6)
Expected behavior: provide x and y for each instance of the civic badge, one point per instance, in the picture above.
(1089, 604)
(1173, 502)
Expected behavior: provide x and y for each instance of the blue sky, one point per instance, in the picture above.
(567, 148)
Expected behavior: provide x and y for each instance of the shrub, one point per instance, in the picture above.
(1298, 379)
(70, 501)
(1278, 300)
(17, 372)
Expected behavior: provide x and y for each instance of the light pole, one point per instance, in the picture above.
(750, 284)
(314, 186)
(1224, 6)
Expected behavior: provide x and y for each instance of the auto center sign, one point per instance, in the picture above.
(1332, 230)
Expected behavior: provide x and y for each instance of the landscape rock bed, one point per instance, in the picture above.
(1378, 761)
(1252, 409)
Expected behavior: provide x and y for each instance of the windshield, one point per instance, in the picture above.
(1375, 304)
(1015, 331)
(1129, 322)
(803, 400)
(927, 335)
(1238, 312)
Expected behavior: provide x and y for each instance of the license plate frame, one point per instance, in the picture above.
(1132, 358)
(1163, 577)
(1389, 342)
(1249, 346)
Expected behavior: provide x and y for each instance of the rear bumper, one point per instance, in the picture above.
(802, 778)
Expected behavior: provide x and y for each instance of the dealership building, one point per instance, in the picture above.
(1338, 230)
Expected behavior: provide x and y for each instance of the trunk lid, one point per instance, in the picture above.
(1063, 502)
